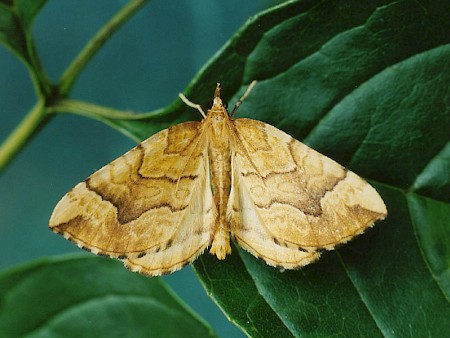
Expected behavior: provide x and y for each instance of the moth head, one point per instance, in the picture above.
(217, 101)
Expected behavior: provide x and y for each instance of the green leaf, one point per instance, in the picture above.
(27, 10)
(231, 286)
(16, 18)
(370, 91)
(431, 223)
(434, 180)
(365, 83)
(91, 297)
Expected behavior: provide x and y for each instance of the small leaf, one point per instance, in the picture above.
(27, 10)
(16, 18)
(11, 31)
(87, 296)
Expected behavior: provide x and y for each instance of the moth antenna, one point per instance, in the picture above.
(239, 102)
(191, 104)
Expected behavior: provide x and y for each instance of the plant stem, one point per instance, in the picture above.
(98, 40)
(22, 133)
(96, 111)
(40, 113)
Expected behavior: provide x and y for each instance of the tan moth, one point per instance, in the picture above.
(197, 184)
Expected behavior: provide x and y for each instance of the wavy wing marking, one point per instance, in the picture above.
(288, 201)
(151, 207)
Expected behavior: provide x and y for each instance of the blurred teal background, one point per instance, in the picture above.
(143, 67)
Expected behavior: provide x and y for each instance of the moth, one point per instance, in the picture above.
(195, 185)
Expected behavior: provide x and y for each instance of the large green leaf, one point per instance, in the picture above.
(83, 296)
(365, 83)
(370, 91)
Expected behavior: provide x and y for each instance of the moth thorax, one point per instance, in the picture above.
(219, 128)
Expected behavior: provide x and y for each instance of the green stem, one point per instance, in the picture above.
(40, 113)
(96, 111)
(73, 71)
(23, 132)
(41, 81)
